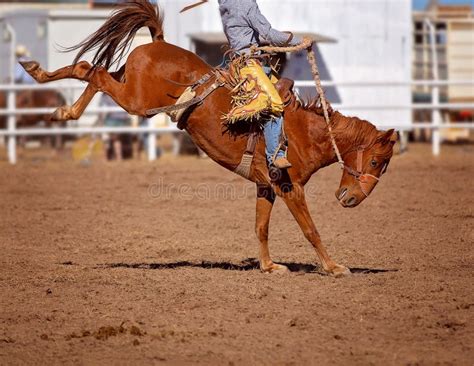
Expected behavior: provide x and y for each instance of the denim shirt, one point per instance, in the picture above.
(244, 26)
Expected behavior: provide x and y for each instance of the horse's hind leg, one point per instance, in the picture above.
(67, 113)
(99, 77)
(79, 71)
(296, 202)
(265, 200)
(74, 112)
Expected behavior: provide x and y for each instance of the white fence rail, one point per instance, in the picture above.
(435, 107)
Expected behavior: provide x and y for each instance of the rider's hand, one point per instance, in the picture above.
(308, 41)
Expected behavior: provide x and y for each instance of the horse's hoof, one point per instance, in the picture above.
(276, 268)
(339, 271)
(60, 115)
(30, 66)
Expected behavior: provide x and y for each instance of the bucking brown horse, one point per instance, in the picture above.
(154, 75)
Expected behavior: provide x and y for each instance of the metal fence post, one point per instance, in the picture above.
(436, 118)
(403, 141)
(11, 99)
(11, 141)
(151, 142)
(435, 113)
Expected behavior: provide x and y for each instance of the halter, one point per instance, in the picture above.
(367, 182)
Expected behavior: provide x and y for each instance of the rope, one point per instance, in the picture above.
(307, 45)
(319, 88)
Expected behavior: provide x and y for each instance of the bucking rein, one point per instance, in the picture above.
(188, 99)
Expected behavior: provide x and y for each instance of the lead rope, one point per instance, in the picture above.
(308, 46)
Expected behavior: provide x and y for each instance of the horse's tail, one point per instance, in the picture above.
(113, 40)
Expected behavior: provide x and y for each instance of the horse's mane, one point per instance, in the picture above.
(361, 132)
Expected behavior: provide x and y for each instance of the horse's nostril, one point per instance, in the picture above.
(351, 201)
(342, 193)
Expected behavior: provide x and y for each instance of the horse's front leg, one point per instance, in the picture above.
(265, 200)
(294, 198)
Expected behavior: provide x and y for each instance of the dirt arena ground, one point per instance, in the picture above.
(139, 263)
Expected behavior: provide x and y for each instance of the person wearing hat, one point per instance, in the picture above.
(21, 76)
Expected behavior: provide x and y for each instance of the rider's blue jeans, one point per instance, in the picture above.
(272, 133)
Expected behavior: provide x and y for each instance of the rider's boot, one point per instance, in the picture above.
(282, 163)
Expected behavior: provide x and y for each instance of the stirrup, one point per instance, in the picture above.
(187, 95)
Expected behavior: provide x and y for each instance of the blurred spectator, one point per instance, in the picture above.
(114, 142)
(21, 76)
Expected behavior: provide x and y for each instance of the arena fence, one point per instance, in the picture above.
(11, 132)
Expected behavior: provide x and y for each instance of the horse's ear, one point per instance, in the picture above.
(394, 137)
(388, 137)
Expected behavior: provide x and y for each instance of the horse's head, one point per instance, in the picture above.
(363, 167)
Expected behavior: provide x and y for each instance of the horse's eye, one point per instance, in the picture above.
(373, 164)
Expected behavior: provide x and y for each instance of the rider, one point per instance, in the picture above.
(21, 76)
(245, 26)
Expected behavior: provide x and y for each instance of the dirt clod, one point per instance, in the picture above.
(108, 331)
(134, 330)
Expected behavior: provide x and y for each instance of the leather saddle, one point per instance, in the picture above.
(284, 87)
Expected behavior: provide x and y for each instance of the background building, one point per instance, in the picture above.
(453, 40)
(359, 41)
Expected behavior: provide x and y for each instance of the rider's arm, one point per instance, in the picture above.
(19, 75)
(260, 24)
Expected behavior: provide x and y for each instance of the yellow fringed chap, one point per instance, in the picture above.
(254, 94)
